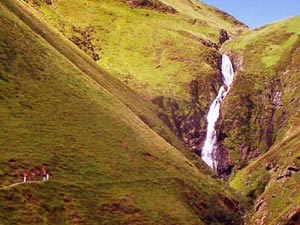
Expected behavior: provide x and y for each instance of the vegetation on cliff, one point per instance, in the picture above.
(107, 165)
(167, 51)
(99, 97)
(265, 121)
(254, 116)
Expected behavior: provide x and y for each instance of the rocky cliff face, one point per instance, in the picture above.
(224, 36)
(262, 119)
(186, 119)
(176, 68)
(246, 115)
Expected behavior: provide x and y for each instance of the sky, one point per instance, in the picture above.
(256, 13)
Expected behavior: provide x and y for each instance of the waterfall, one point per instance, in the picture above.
(214, 112)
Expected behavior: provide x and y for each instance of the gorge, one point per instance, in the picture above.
(123, 101)
(210, 147)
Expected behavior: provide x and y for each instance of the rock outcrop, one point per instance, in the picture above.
(36, 2)
(152, 4)
(255, 116)
(84, 40)
(224, 36)
(187, 119)
(237, 60)
(288, 172)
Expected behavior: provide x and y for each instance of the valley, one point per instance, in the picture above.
(113, 96)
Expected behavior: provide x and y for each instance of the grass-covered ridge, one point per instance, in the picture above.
(168, 57)
(153, 52)
(271, 57)
(253, 113)
(107, 166)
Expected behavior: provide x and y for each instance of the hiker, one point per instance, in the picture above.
(25, 177)
(45, 173)
(47, 176)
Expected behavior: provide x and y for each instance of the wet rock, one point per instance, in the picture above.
(186, 119)
(237, 60)
(223, 36)
(264, 120)
(274, 101)
(224, 167)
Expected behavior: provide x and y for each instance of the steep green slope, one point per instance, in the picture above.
(253, 114)
(143, 46)
(144, 111)
(107, 166)
(268, 115)
(165, 50)
(272, 183)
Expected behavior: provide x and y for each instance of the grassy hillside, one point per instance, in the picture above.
(143, 46)
(106, 165)
(269, 102)
(255, 113)
(144, 111)
(165, 50)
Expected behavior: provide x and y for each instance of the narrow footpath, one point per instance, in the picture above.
(20, 183)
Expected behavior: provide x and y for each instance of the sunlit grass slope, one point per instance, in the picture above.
(144, 110)
(253, 120)
(169, 57)
(272, 180)
(153, 52)
(107, 166)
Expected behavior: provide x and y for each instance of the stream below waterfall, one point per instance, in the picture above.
(208, 150)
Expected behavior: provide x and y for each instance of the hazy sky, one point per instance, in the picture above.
(256, 13)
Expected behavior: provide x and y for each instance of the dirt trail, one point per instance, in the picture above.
(19, 183)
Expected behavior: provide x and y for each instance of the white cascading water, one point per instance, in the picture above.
(214, 112)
